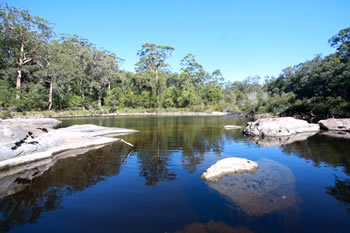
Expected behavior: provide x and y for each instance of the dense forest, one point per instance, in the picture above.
(40, 70)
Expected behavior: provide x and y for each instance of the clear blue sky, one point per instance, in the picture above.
(240, 38)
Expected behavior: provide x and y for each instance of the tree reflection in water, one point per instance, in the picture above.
(67, 176)
(322, 149)
(341, 191)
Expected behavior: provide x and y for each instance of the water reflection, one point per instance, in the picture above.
(46, 192)
(320, 148)
(341, 191)
(271, 188)
(280, 141)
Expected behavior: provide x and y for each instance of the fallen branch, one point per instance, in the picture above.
(127, 143)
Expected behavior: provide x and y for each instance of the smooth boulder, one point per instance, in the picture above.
(228, 166)
(270, 189)
(334, 124)
(279, 127)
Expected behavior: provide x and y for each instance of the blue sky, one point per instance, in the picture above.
(240, 38)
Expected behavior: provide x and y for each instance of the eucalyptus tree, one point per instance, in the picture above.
(193, 69)
(342, 42)
(103, 69)
(23, 34)
(153, 57)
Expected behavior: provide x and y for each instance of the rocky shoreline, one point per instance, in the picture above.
(24, 141)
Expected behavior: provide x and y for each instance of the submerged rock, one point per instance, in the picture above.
(212, 226)
(280, 141)
(271, 188)
(232, 127)
(280, 126)
(228, 166)
(33, 148)
(334, 124)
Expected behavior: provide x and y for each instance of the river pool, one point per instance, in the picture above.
(303, 186)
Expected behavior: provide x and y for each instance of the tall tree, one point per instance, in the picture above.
(342, 42)
(152, 58)
(193, 69)
(24, 34)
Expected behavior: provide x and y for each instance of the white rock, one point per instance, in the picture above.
(229, 166)
(280, 126)
(232, 127)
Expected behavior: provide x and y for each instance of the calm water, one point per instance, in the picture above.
(299, 187)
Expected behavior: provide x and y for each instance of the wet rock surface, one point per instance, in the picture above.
(279, 127)
(271, 188)
(334, 124)
(229, 166)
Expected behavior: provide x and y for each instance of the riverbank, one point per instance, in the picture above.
(86, 113)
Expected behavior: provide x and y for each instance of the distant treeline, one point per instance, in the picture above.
(42, 71)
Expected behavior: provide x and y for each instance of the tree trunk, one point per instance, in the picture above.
(109, 85)
(50, 94)
(19, 69)
(99, 101)
(82, 93)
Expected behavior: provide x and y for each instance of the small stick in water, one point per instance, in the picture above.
(127, 143)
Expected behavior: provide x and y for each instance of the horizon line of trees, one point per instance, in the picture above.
(42, 71)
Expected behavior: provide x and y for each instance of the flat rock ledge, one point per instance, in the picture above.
(229, 166)
(335, 124)
(19, 150)
(279, 126)
(229, 127)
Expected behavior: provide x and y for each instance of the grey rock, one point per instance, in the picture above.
(228, 127)
(335, 124)
(54, 141)
(279, 127)
(271, 188)
(228, 166)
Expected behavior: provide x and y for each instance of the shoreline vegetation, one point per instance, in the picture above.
(41, 71)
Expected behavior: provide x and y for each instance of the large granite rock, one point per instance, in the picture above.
(13, 130)
(334, 124)
(18, 150)
(271, 188)
(279, 127)
(228, 166)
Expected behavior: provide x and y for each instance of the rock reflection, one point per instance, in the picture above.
(212, 227)
(279, 141)
(33, 194)
(270, 189)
